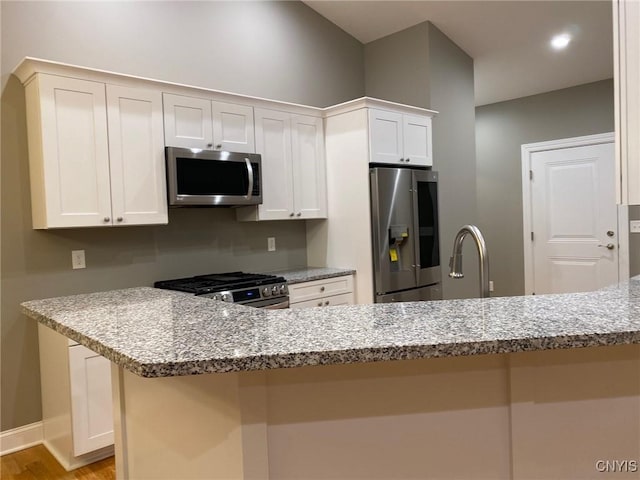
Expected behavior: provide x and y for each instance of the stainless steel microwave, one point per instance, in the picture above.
(198, 177)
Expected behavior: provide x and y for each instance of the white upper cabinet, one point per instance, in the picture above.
(201, 123)
(293, 167)
(626, 20)
(187, 122)
(398, 138)
(309, 177)
(72, 141)
(136, 156)
(273, 141)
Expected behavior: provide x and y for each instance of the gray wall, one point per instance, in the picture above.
(397, 67)
(501, 128)
(421, 66)
(280, 50)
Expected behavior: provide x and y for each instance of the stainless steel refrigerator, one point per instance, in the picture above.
(404, 219)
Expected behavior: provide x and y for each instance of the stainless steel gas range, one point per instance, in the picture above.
(250, 289)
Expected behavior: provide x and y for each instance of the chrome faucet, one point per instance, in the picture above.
(455, 263)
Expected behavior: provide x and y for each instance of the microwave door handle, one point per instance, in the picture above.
(250, 174)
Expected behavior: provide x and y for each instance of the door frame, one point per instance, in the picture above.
(528, 150)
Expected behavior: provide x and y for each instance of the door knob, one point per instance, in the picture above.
(608, 246)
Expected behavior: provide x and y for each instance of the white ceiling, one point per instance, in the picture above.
(508, 40)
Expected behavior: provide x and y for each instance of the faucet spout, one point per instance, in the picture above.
(455, 262)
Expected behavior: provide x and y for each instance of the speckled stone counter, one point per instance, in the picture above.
(309, 274)
(156, 333)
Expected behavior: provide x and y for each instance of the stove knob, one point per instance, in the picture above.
(266, 292)
(226, 297)
(274, 290)
(283, 289)
(217, 296)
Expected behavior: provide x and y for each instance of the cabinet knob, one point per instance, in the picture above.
(322, 289)
(408, 160)
(319, 304)
(299, 214)
(106, 219)
(119, 219)
(209, 145)
(291, 214)
(219, 146)
(326, 303)
(402, 159)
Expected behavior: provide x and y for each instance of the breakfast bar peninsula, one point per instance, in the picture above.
(535, 387)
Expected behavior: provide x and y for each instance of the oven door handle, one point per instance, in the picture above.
(250, 175)
(277, 306)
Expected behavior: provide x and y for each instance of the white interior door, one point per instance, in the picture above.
(574, 219)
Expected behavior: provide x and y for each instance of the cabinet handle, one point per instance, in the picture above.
(319, 304)
(322, 289)
(119, 219)
(298, 214)
(326, 303)
(209, 145)
(291, 214)
(219, 146)
(106, 219)
(402, 159)
(408, 160)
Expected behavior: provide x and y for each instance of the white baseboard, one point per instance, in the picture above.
(21, 438)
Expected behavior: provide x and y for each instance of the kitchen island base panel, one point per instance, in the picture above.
(543, 415)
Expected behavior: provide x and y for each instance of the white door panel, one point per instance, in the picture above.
(233, 127)
(573, 210)
(416, 133)
(187, 121)
(385, 136)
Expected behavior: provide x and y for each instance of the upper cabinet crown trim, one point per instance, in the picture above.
(29, 66)
(370, 102)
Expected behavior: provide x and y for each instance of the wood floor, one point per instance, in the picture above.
(36, 463)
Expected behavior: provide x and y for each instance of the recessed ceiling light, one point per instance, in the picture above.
(560, 41)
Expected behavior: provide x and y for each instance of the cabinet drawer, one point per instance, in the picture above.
(332, 301)
(301, 292)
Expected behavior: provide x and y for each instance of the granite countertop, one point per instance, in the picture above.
(156, 333)
(309, 274)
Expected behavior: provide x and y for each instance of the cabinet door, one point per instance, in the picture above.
(301, 292)
(136, 154)
(273, 142)
(309, 177)
(68, 152)
(187, 122)
(233, 127)
(332, 301)
(416, 134)
(91, 403)
(385, 137)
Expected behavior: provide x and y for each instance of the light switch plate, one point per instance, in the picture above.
(77, 259)
(634, 226)
(271, 244)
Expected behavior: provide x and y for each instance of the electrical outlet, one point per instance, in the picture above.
(634, 226)
(271, 244)
(491, 285)
(77, 259)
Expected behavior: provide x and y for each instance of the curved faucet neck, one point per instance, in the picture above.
(456, 259)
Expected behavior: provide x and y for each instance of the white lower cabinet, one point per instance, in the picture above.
(77, 412)
(322, 293)
(91, 402)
